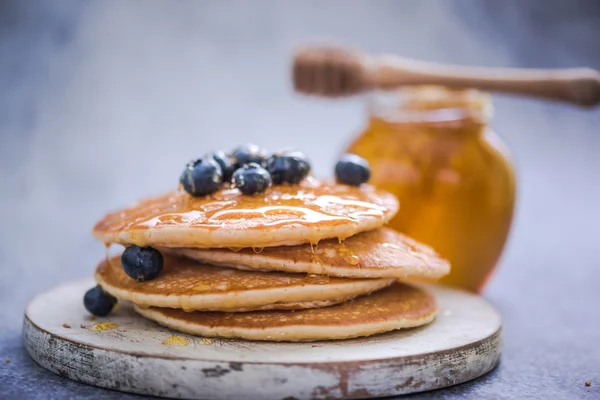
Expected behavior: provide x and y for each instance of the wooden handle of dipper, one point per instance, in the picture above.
(337, 72)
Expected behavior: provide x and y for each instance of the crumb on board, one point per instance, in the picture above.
(82, 326)
(103, 326)
(91, 318)
(588, 383)
(8, 360)
(175, 341)
(65, 325)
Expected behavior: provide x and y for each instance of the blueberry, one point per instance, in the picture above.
(98, 302)
(352, 170)
(225, 162)
(288, 167)
(142, 263)
(252, 179)
(202, 177)
(249, 153)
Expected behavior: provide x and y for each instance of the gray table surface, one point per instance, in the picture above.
(102, 103)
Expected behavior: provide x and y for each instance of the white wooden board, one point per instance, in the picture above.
(461, 344)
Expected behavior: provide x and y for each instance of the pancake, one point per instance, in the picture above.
(191, 286)
(382, 253)
(396, 307)
(285, 215)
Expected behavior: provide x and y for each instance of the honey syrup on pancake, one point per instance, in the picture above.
(317, 279)
(347, 254)
(107, 251)
(310, 203)
(316, 263)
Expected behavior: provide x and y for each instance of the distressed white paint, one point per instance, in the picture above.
(463, 343)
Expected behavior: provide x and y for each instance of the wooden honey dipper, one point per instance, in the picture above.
(338, 72)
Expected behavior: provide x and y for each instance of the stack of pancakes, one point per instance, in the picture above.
(302, 262)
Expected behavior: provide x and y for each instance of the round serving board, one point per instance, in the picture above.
(461, 344)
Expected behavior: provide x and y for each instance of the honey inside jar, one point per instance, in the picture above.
(433, 149)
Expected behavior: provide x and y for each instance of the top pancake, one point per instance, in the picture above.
(381, 253)
(284, 215)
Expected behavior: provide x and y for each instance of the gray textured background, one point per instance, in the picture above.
(102, 102)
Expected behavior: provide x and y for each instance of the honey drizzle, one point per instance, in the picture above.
(317, 279)
(347, 254)
(310, 203)
(185, 304)
(316, 264)
(107, 253)
(316, 270)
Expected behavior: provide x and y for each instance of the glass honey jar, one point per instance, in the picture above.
(433, 148)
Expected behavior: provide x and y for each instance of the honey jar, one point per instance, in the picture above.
(434, 149)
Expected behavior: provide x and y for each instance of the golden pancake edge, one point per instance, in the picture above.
(190, 286)
(381, 253)
(398, 306)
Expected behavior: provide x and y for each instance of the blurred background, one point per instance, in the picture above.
(102, 102)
